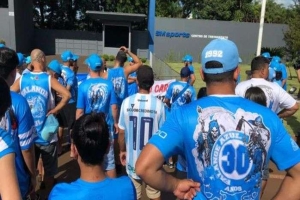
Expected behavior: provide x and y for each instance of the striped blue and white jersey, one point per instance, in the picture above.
(141, 115)
(6, 143)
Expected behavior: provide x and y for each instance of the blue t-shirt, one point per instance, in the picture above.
(272, 74)
(227, 142)
(23, 136)
(70, 80)
(186, 97)
(108, 189)
(117, 77)
(191, 67)
(36, 88)
(96, 95)
(284, 75)
(6, 143)
(132, 87)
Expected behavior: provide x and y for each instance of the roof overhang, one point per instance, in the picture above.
(115, 16)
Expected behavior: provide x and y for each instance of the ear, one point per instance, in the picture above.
(74, 151)
(202, 74)
(236, 73)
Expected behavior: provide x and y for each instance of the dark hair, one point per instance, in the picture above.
(201, 93)
(256, 95)
(145, 77)
(259, 63)
(121, 57)
(8, 61)
(221, 78)
(91, 138)
(5, 100)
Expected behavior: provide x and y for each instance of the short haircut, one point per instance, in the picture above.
(91, 138)
(257, 95)
(259, 63)
(5, 100)
(121, 57)
(8, 61)
(145, 77)
(217, 78)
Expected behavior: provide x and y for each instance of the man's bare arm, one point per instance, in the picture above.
(192, 79)
(79, 113)
(288, 111)
(16, 86)
(29, 158)
(137, 63)
(115, 114)
(290, 186)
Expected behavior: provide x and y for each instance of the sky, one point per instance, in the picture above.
(285, 2)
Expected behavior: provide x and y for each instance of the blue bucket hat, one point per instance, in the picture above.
(187, 58)
(66, 56)
(266, 55)
(94, 62)
(55, 66)
(276, 59)
(223, 51)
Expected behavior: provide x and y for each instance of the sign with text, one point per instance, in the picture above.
(159, 88)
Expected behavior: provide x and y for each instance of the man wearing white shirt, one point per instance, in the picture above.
(277, 98)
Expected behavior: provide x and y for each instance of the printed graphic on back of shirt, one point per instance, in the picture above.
(185, 98)
(119, 87)
(230, 153)
(97, 95)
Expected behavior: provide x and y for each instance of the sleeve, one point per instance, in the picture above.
(169, 92)
(113, 98)
(285, 99)
(239, 90)
(26, 129)
(80, 97)
(6, 143)
(121, 123)
(285, 152)
(70, 78)
(192, 69)
(169, 138)
(58, 192)
(194, 96)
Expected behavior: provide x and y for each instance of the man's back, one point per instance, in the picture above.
(104, 190)
(227, 141)
(175, 89)
(140, 116)
(69, 79)
(276, 96)
(117, 77)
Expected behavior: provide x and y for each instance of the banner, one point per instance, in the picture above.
(159, 88)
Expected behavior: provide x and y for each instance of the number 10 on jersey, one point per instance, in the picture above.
(145, 130)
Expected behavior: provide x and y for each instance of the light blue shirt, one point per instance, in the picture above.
(227, 142)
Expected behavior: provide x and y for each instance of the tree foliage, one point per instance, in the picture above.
(71, 14)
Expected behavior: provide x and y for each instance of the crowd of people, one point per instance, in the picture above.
(223, 138)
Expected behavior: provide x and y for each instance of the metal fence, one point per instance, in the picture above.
(162, 70)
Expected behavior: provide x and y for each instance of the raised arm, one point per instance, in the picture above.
(137, 63)
(16, 86)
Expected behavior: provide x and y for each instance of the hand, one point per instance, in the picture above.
(123, 48)
(53, 111)
(116, 128)
(123, 158)
(186, 189)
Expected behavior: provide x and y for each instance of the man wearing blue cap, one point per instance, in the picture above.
(280, 71)
(188, 62)
(272, 73)
(70, 82)
(223, 139)
(97, 95)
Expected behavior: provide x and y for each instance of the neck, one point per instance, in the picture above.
(94, 74)
(143, 91)
(184, 79)
(227, 88)
(66, 64)
(255, 75)
(117, 64)
(91, 173)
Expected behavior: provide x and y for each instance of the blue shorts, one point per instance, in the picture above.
(109, 159)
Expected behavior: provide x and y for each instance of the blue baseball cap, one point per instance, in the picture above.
(276, 59)
(130, 59)
(266, 55)
(66, 56)
(28, 60)
(276, 66)
(75, 57)
(187, 58)
(2, 45)
(223, 51)
(21, 59)
(94, 62)
(55, 66)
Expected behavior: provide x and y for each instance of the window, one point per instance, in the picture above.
(4, 4)
(116, 36)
